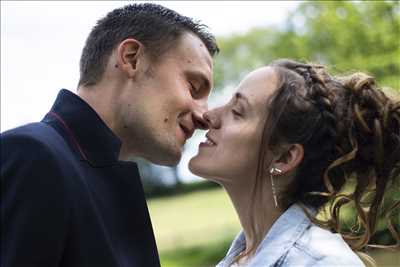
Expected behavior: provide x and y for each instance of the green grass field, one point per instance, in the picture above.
(193, 219)
(195, 229)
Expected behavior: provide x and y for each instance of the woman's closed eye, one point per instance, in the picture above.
(236, 113)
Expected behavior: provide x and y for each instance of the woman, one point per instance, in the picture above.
(284, 147)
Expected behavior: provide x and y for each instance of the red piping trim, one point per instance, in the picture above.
(72, 136)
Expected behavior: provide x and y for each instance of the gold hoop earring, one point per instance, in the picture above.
(273, 171)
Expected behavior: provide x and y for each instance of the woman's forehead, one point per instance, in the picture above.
(259, 85)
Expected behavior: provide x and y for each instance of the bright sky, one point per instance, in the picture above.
(41, 44)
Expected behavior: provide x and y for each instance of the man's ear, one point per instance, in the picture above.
(290, 158)
(129, 52)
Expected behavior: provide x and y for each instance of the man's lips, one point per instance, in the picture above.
(187, 131)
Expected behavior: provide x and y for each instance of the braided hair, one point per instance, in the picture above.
(350, 131)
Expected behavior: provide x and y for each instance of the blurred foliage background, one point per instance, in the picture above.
(195, 223)
(344, 35)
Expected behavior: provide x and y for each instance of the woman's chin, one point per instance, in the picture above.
(199, 168)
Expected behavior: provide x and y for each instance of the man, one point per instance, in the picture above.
(69, 195)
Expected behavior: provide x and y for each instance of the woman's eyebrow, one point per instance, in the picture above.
(242, 97)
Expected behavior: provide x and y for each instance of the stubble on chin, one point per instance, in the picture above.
(168, 153)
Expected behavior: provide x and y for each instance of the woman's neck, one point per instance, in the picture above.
(256, 210)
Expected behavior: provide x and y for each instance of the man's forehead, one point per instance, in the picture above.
(192, 49)
(192, 56)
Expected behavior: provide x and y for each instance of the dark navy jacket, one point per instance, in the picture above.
(66, 199)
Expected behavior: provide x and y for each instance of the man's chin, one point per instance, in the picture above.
(167, 159)
(169, 163)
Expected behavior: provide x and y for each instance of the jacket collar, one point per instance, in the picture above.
(285, 231)
(84, 130)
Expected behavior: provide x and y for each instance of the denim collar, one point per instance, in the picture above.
(285, 231)
(83, 129)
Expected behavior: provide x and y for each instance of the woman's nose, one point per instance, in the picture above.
(212, 119)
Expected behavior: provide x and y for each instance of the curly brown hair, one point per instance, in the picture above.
(350, 132)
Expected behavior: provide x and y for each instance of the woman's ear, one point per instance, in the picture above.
(290, 158)
(129, 53)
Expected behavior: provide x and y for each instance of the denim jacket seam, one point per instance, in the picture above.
(231, 255)
(313, 254)
(281, 261)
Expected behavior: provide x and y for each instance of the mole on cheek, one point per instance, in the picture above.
(166, 119)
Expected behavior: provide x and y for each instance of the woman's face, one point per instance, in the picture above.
(230, 153)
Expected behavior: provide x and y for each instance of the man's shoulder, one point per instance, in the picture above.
(36, 143)
(31, 138)
(31, 159)
(36, 130)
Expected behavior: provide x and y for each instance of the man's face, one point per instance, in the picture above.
(167, 102)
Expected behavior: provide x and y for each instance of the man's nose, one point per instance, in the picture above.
(198, 112)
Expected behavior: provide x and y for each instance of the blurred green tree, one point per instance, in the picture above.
(344, 35)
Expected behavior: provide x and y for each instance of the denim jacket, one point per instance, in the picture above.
(294, 240)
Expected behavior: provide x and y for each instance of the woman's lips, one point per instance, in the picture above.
(208, 143)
